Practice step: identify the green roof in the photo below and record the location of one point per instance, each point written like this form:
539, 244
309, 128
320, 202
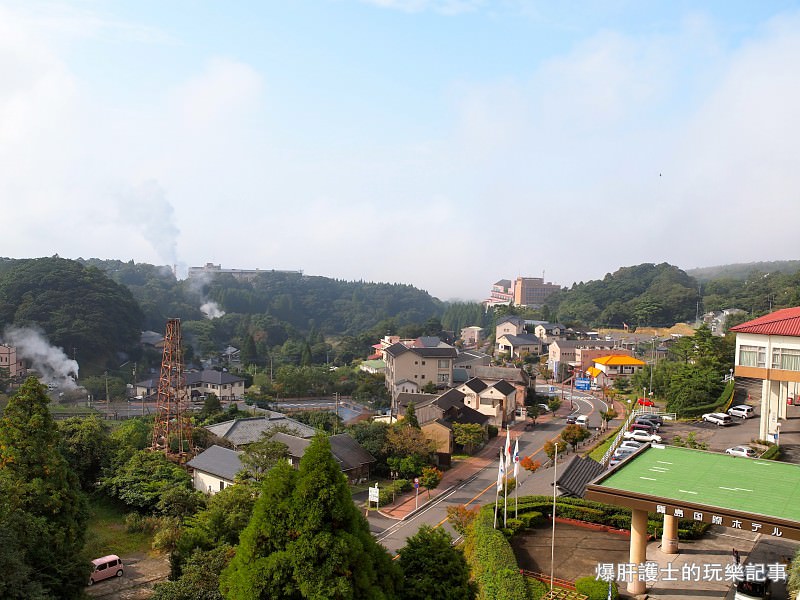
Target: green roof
679, 475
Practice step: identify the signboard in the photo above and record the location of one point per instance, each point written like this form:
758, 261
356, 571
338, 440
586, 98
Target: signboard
374, 493
583, 383
552, 390
416, 482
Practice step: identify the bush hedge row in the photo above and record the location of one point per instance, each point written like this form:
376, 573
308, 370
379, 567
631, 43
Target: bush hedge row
716, 406
493, 564
595, 589
397, 487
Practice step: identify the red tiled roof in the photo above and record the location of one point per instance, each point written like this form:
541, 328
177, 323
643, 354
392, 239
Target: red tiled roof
781, 322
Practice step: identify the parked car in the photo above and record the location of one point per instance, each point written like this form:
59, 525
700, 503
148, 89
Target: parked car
718, 418
742, 410
742, 451
642, 436
642, 427
582, 420
646, 402
753, 590
633, 444
624, 451
105, 567
651, 417
642, 421
543, 408
571, 419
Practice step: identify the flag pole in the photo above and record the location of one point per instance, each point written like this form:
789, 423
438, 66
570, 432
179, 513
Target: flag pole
516, 477
553, 537
497, 487
505, 489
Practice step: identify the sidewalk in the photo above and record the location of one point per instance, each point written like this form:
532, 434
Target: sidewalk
405, 505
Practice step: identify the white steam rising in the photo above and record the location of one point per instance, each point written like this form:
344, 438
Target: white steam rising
212, 310
49, 361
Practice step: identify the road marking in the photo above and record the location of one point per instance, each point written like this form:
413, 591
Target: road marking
648, 478
664, 462
687, 492
736, 489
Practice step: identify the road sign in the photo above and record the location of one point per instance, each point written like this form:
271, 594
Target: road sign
374, 493
416, 482
583, 383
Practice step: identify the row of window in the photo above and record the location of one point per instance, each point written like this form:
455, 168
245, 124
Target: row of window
442, 377
442, 364
786, 359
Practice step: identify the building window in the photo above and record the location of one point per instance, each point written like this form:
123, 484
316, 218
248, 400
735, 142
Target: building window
753, 356
423, 362
444, 378
786, 359
443, 364
221, 485
487, 402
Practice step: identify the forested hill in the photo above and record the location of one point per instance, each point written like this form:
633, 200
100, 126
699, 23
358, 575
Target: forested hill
645, 294
304, 303
741, 271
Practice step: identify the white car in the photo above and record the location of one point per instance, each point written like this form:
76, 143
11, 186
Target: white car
632, 444
743, 410
718, 418
642, 436
623, 452
746, 451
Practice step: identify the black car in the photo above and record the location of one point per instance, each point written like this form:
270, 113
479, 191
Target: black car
642, 421
571, 419
655, 418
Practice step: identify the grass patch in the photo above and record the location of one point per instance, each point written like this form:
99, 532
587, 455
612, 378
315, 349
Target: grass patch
599, 451
106, 532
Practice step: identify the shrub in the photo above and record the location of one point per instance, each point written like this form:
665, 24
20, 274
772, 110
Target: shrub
532, 519
595, 589
773, 453
136, 523
492, 561
492, 430
392, 490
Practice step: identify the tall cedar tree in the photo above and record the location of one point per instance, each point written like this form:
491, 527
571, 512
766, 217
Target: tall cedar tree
433, 568
306, 539
43, 513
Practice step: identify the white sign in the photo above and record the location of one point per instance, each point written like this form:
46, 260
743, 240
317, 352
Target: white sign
374, 493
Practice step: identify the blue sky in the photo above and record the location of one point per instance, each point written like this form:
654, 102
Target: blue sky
441, 143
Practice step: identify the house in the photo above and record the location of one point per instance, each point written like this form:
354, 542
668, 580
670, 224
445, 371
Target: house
518, 346
231, 355
221, 383
615, 366
410, 366
564, 355
153, 339
374, 366
468, 359
214, 469
436, 415
497, 400
768, 349
354, 461
472, 336
10, 361
241, 432
548, 332
510, 325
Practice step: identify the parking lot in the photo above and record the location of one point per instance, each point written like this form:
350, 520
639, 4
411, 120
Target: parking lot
718, 438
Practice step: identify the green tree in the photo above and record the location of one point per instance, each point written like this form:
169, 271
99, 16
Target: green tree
5, 379
468, 435
307, 539
259, 457
433, 568
142, 480
550, 448
430, 478
200, 577
87, 446
574, 435
554, 404
410, 418
211, 406
42, 509
429, 388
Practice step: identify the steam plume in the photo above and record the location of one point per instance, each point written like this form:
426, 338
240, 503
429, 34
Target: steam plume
49, 361
212, 310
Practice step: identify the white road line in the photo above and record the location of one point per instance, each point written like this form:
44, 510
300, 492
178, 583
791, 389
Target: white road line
664, 462
687, 492
648, 478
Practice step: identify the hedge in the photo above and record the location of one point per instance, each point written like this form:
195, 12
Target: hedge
716, 406
772, 453
492, 561
595, 589
395, 488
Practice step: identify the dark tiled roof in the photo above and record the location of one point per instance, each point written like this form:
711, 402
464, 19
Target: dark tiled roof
349, 452
512, 319
576, 475
444, 352
211, 376
451, 397
504, 387
476, 385
497, 373
296, 445
396, 349
218, 461
406, 398
470, 415
525, 339
427, 342
470, 355
246, 431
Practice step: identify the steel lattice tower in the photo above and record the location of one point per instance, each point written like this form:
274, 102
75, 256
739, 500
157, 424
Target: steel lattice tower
172, 420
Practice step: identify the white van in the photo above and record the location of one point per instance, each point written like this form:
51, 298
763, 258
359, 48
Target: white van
718, 418
742, 411
582, 420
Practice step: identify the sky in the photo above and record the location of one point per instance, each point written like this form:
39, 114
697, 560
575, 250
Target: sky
445, 144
